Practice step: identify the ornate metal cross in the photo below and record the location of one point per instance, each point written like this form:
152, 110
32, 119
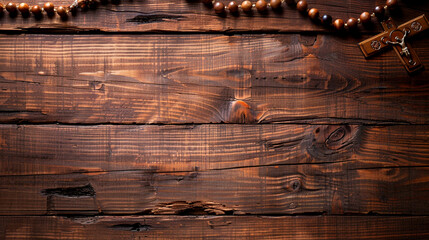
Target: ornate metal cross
397, 37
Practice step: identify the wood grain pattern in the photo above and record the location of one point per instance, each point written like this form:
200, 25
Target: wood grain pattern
214, 227
205, 79
57, 149
118, 124
193, 16
332, 188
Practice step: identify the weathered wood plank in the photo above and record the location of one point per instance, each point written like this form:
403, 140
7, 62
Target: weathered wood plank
205, 79
193, 16
57, 149
215, 227
332, 188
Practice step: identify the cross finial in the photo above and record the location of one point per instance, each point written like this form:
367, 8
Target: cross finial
397, 38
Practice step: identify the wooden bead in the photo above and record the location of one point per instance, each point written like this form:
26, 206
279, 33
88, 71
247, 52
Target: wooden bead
1, 8
275, 4
219, 7
233, 7
326, 20
24, 8
392, 3
352, 23
261, 5
49, 8
246, 6
339, 24
379, 12
313, 14
36, 10
365, 18
302, 6
62, 11
11, 8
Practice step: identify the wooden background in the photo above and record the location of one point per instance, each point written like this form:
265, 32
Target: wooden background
159, 119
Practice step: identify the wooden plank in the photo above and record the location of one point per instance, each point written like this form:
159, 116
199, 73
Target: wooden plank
215, 227
332, 188
205, 79
58, 149
193, 16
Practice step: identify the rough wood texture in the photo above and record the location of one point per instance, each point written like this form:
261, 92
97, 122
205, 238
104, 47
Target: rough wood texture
193, 16
213, 227
205, 78
266, 169
56, 149
352, 143
333, 188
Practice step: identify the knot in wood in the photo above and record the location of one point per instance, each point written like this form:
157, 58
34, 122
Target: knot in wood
240, 112
334, 141
334, 137
293, 185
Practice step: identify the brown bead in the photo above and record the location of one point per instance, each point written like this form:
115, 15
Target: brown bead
24, 8
11, 8
36, 10
302, 6
275, 4
49, 8
339, 24
379, 12
365, 18
326, 20
233, 7
313, 14
62, 11
261, 5
1, 8
352, 23
246, 6
392, 3
219, 7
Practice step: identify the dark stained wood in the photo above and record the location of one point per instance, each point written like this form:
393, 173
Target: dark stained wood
82, 156
215, 227
58, 149
205, 79
332, 188
193, 16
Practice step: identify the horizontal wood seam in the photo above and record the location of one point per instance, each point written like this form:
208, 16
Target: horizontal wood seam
342, 122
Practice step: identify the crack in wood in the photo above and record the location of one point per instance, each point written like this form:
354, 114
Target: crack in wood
151, 18
72, 192
192, 208
136, 227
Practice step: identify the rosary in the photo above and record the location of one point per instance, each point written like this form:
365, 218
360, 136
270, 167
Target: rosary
393, 36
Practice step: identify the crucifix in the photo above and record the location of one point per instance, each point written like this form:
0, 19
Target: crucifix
397, 37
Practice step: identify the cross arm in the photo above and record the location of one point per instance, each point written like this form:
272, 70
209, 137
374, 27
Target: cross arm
373, 45
416, 25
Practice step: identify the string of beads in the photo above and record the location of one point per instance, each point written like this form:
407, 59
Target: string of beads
262, 6
37, 11
232, 7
